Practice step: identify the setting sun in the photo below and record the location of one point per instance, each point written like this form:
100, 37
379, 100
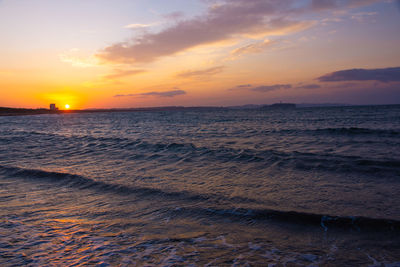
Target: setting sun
67, 106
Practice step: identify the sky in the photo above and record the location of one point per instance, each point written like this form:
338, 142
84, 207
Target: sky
146, 53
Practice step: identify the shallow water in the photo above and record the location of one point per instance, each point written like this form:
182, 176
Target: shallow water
315, 186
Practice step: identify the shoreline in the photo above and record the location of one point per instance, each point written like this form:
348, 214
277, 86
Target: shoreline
27, 112
4, 111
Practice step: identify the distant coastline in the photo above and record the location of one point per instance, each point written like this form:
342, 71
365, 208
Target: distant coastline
6, 111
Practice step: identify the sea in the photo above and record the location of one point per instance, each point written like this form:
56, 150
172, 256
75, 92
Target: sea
209, 187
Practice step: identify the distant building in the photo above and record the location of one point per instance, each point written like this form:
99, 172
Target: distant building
53, 107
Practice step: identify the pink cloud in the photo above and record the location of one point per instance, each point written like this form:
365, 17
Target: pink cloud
223, 20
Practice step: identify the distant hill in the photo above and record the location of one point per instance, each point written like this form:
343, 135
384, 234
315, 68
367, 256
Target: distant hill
4, 111
288, 105
280, 106
248, 106
311, 105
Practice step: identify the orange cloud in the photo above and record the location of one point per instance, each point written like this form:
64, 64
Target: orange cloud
171, 93
201, 73
120, 73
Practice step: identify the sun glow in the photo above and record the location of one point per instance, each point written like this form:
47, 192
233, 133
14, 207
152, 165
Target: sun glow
67, 106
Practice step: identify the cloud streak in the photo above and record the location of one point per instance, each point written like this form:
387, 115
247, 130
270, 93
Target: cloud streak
261, 88
244, 86
120, 73
269, 88
171, 93
381, 75
308, 86
333, 4
252, 48
135, 26
77, 59
201, 73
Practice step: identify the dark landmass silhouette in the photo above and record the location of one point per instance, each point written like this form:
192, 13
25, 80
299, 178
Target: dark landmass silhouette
280, 106
4, 111
7, 111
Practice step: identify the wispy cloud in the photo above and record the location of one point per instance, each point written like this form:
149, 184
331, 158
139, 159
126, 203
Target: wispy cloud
75, 58
308, 86
121, 73
253, 48
333, 4
135, 26
171, 93
244, 86
201, 73
261, 88
269, 88
174, 16
362, 16
381, 75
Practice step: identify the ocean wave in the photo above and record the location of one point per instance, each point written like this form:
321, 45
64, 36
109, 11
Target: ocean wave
340, 131
172, 152
323, 220
82, 182
358, 131
207, 202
